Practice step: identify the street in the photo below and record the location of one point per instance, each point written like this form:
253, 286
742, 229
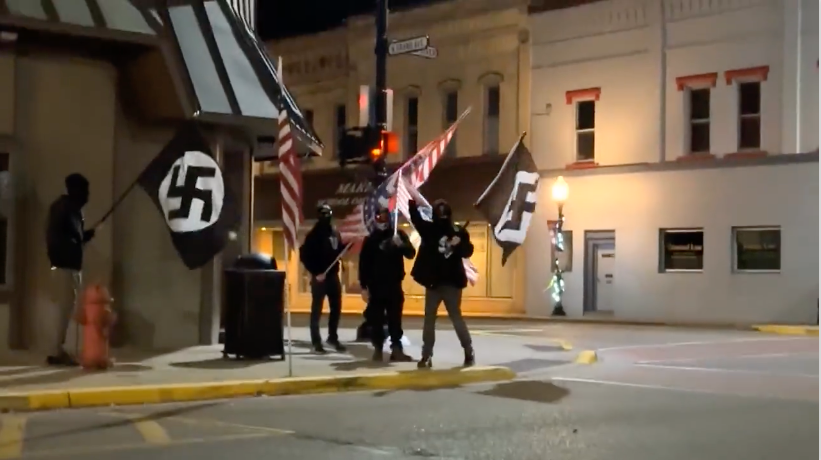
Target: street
656, 393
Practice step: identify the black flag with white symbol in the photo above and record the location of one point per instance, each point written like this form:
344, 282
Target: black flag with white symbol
188, 188
509, 201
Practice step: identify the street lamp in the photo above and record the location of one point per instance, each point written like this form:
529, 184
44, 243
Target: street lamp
559, 192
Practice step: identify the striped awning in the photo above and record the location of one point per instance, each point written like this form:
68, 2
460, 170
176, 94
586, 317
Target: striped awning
226, 73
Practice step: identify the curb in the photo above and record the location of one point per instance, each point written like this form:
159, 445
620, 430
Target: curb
787, 330
155, 394
587, 357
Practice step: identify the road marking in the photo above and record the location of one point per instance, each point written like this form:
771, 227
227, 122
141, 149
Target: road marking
65, 452
753, 356
197, 421
730, 371
12, 432
151, 431
704, 342
505, 331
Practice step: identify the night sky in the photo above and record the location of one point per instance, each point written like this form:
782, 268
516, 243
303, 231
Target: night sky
286, 18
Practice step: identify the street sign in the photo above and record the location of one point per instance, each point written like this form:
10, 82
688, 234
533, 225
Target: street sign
409, 45
429, 53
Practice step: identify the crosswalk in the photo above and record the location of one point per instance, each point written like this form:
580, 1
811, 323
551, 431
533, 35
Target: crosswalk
70, 434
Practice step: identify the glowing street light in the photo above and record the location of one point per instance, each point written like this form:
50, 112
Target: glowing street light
559, 192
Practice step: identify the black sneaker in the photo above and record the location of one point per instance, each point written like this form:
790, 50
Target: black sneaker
470, 358
337, 345
63, 359
398, 356
425, 363
318, 349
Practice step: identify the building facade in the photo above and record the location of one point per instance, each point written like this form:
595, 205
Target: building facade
482, 63
99, 88
688, 134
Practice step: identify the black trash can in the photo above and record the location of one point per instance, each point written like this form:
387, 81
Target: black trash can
254, 305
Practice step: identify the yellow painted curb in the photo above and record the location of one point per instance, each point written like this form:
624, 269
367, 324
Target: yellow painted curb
587, 357
153, 394
786, 329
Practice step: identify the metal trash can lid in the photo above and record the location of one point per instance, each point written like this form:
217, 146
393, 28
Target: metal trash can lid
255, 261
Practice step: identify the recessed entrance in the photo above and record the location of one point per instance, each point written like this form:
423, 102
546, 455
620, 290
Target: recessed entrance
599, 272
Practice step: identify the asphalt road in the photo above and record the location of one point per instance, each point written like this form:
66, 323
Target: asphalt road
678, 396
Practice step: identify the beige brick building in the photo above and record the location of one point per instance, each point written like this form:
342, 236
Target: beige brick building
483, 62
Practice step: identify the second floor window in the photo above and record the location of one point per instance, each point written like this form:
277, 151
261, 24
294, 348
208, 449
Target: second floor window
492, 108
700, 120
585, 130
451, 113
411, 126
749, 114
340, 122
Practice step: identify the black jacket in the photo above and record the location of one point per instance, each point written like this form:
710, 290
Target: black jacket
65, 234
321, 246
380, 261
438, 263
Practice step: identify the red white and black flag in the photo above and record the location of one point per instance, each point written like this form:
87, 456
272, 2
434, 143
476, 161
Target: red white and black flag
186, 184
509, 201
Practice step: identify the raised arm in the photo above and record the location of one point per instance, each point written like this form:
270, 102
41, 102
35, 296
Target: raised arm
419, 223
408, 251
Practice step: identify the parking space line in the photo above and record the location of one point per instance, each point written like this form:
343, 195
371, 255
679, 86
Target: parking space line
751, 356
704, 342
12, 432
211, 422
730, 371
151, 431
633, 385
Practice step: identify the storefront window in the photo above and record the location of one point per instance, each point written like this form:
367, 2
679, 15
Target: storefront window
494, 280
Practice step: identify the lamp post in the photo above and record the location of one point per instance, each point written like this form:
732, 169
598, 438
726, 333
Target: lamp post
559, 192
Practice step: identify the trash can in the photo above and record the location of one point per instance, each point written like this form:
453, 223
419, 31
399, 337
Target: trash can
254, 303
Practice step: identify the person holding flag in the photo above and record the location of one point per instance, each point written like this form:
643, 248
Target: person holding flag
381, 271
439, 268
320, 254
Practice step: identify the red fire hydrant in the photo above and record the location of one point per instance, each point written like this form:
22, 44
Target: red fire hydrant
97, 319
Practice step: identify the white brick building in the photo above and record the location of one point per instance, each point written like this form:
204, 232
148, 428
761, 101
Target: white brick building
677, 124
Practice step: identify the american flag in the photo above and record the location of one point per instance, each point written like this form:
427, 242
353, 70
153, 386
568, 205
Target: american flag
290, 181
356, 225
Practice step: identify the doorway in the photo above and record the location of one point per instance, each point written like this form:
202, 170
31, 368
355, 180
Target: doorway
599, 272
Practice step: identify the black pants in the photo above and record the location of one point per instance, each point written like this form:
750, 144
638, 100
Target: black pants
332, 289
386, 304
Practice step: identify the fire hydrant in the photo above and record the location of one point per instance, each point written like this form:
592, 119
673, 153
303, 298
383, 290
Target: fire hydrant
97, 319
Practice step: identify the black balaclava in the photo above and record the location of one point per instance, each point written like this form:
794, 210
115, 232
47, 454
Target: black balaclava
382, 220
324, 214
77, 188
442, 215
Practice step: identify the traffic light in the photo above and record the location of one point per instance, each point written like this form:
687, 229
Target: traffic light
367, 144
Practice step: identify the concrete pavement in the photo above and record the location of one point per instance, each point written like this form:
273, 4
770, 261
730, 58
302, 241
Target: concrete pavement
655, 393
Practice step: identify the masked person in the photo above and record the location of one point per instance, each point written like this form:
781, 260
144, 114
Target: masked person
439, 269
322, 246
381, 271
65, 237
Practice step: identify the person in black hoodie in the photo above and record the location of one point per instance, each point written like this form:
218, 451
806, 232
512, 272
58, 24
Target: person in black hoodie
65, 237
440, 270
381, 271
322, 246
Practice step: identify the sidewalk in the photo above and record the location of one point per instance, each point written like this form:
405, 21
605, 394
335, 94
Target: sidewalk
199, 373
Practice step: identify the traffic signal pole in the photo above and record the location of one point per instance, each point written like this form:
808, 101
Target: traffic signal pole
381, 51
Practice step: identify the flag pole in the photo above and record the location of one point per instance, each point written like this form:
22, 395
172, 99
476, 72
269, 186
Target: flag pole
288, 270
288, 308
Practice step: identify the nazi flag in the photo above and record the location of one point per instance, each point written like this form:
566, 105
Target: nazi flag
509, 202
186, 184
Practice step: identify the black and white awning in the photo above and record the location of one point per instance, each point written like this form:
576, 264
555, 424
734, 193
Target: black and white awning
226, 73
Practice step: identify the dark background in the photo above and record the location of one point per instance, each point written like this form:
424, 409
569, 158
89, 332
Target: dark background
287, 18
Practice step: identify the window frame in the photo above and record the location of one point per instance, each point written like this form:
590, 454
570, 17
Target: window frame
411, 128
698, 121
578, 131
486, 118
753, 116
662, 250
734, 234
